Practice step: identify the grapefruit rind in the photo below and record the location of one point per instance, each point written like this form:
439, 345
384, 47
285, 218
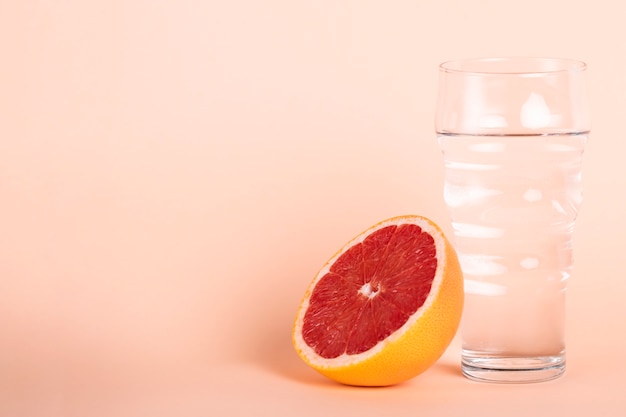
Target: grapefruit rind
418, 343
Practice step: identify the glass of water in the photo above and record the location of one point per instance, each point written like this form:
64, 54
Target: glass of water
512, 133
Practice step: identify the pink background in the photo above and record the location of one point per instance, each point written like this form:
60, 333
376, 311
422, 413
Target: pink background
174, 173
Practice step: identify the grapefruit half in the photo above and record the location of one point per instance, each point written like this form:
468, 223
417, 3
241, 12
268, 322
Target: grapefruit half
385, 307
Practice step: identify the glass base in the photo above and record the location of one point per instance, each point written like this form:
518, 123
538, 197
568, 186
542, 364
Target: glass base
482, 367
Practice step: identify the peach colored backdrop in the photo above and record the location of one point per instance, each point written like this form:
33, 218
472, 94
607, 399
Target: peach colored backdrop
173, 174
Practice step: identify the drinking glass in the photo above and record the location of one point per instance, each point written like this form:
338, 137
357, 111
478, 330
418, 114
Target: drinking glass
512, 133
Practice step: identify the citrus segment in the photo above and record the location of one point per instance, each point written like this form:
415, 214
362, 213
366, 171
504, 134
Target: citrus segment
385, 307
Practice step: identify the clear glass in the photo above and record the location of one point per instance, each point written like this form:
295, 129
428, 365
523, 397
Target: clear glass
512, 132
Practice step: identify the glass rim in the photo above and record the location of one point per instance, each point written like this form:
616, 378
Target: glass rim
516, 66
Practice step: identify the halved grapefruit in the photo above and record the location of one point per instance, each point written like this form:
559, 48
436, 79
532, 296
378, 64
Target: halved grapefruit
385, 307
